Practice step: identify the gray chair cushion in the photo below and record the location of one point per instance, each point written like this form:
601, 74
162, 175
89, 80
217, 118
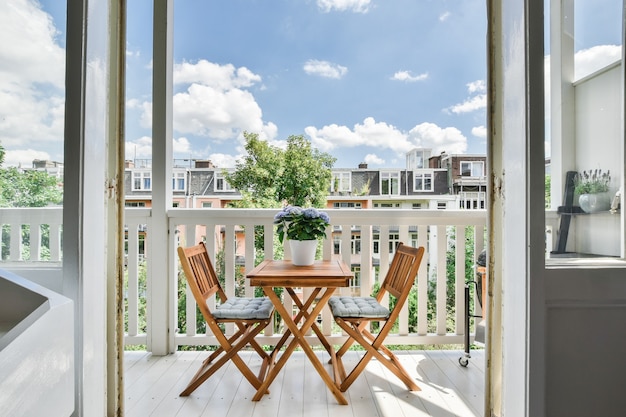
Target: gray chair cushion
244, 308
357, 307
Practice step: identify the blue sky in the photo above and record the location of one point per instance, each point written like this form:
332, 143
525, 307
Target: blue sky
364, 80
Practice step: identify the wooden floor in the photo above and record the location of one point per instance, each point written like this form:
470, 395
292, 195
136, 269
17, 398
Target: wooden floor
152, 385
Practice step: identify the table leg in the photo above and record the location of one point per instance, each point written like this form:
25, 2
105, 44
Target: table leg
299, 339
310, 322
304, 312
277, 366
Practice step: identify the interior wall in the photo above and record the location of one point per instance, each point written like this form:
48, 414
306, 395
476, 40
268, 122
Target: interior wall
598, 135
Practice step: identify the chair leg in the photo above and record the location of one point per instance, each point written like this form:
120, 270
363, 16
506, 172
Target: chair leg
217, 352
372, 350
230, 353
350, 341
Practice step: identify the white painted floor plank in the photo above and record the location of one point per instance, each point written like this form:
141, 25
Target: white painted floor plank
445, 387
152, 385
164, 389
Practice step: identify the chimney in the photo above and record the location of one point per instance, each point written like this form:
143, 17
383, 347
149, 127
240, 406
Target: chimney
362, 165
204, 163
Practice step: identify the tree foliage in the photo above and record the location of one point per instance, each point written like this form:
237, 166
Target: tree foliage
270, 177
28, 188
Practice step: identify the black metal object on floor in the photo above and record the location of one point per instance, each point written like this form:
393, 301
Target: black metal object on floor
469, 315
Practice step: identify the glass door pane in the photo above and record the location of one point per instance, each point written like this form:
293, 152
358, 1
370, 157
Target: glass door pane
32, 101
584, 128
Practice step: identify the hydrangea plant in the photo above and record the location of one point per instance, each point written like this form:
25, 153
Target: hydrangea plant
301, 223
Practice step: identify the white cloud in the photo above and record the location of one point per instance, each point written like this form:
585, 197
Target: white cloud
357, 6
222, 160
370, 133
408, 77
479, 131
32, 77
372, 159
476, 102
478, 86
471, 104
181, 146
381, 135
23, 157
215, 103
587, 61
30, 52
444, 16
138, 149
221, 77
142, 148
429, 135
324, 69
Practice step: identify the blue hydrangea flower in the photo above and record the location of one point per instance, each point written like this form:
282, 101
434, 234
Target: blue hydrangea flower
297, 223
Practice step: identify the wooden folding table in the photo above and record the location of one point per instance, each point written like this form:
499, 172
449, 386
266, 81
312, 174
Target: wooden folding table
324, 277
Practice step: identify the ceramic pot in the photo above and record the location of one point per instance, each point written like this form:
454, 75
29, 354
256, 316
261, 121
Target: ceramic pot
303, 252
593, 203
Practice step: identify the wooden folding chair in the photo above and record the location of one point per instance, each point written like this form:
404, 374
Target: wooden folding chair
353, 314
250, 315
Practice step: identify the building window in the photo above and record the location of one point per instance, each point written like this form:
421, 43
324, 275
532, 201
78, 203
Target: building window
418, 158
347, 205
221, 184
472, 169
416, 206
342, 182
376, 243
175, 204
386, 205
337, 245
389, 183
355, 282
178, 181
355, 244
134, 204
207, 204
442, 205
142, 180
394, 241
413, 240
423, 181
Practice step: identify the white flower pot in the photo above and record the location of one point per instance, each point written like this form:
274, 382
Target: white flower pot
303, 252
593, 203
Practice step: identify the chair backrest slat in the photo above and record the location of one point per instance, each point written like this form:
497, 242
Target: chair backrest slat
200, 274
402, 272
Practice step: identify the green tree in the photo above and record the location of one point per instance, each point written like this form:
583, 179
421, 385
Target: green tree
28, 188
269, 177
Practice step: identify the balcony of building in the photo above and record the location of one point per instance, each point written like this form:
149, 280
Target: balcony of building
160, 354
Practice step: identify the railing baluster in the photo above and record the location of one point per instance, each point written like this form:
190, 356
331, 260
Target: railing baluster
459, 282
422, 283
442, 291
132, 262
15, 250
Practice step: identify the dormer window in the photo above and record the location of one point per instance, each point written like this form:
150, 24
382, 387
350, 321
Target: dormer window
472, 169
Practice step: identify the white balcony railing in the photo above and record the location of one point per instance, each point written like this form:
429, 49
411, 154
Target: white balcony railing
435, 314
